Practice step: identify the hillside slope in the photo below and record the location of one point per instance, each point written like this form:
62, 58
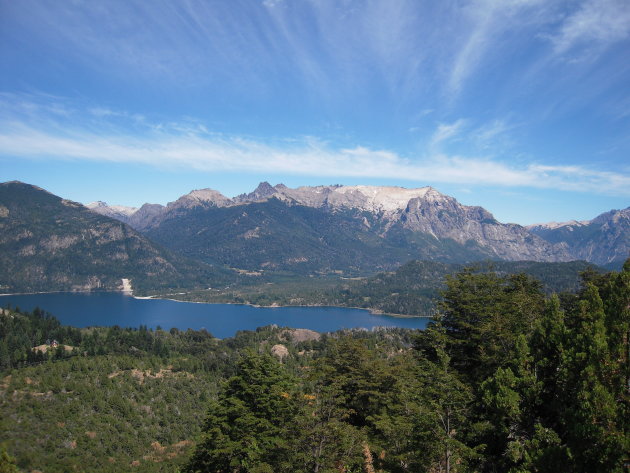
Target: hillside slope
48, 243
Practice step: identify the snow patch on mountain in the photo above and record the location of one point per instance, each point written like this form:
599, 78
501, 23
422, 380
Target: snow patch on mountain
555, 225
128, 211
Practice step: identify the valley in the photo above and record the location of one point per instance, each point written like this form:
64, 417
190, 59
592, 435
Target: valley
314, 236
481, 307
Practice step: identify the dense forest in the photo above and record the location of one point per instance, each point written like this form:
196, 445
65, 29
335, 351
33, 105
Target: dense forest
506, 379
413, 289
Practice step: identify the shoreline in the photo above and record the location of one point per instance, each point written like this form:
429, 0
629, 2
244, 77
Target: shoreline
157, 297
277, 306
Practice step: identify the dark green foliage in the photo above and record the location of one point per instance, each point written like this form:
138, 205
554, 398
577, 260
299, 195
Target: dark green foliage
7, 463
555, 400
484, 315
248, 426
412, 289
20, 332
505, 380
359, 375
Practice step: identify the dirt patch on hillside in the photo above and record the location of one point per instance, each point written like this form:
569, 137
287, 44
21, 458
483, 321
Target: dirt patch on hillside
300, 335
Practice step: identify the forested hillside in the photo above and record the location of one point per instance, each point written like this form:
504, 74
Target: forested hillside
413, 289
51, 244
508, 379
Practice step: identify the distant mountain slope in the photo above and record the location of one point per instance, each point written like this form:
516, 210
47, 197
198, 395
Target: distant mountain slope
49, 243
414, 288
119, 212
329, 228
272, 235
605, 240
364, 228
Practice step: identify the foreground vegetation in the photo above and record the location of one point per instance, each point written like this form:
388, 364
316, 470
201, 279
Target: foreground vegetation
508, 379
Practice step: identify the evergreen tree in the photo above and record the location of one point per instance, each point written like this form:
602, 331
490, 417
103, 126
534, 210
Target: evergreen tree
483, 315
549, 344
247, 428
324, 441
596, 431
7, 463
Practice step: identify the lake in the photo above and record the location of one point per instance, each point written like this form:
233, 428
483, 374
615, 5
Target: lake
222, 320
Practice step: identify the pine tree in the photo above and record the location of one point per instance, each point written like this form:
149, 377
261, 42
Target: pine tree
594, 431
246, 430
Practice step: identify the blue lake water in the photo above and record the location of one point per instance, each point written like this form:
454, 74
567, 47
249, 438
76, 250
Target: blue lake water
222, 320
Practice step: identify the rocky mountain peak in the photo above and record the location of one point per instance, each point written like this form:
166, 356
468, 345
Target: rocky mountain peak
104, 208
262, 192
556, 225
603, 240
264, 188
613, 216
200, 197
376, 199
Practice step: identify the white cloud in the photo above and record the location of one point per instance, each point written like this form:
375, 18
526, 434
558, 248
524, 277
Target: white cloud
190, 146
272, 3
493, 135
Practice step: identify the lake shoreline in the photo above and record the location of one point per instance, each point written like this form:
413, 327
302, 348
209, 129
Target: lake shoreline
108, 309
272, 306
278, 306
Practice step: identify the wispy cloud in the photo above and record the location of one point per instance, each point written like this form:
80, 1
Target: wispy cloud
594, 26
485, 22
328, 49
190, 145
447, 131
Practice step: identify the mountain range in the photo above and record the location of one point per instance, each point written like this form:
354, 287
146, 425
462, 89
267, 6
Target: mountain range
605, 240
360, 228
206, 239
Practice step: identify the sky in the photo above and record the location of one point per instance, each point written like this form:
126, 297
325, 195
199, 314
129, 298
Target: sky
520, 106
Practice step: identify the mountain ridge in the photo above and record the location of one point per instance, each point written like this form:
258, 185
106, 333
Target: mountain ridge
397, 213
336, 230
604, 240
353, 227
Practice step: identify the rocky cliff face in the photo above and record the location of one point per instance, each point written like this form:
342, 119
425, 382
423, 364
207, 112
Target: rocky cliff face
443, 217
605, 240
145, 216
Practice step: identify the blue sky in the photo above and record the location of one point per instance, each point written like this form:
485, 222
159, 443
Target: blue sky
520, 106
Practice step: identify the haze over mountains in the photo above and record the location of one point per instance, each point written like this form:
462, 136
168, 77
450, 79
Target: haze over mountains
360, 228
